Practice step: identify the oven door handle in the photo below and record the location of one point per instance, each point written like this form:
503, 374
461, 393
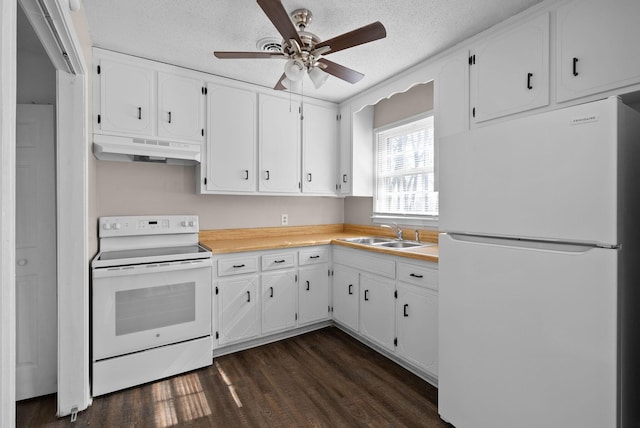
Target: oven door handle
151, 268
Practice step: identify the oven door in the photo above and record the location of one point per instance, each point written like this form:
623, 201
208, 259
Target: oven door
145, 306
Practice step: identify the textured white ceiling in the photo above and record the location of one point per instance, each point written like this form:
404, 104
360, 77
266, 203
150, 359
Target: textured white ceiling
186, 32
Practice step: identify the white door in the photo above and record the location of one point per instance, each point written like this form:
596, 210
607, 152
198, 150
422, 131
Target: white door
345, 296
278, 301
238, 309
313, 294
528, 336
279, 142
36, 303
377, 309
534, 177
180, 107
591, 61
319, 149
231, 142
127, 98
510, 72
417, 326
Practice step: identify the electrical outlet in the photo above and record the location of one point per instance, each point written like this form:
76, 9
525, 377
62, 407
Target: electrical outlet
285, 219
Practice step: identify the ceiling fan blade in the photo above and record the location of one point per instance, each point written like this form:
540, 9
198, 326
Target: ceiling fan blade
236, 55
279, 86
359, 36
340, 71
280, 19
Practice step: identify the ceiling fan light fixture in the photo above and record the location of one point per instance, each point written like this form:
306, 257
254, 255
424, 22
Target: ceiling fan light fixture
294, 69
318, 77
292, 85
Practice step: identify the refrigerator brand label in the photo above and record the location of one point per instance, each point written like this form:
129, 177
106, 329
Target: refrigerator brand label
584, 119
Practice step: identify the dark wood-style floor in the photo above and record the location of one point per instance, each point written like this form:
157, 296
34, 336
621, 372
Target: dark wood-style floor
321, 379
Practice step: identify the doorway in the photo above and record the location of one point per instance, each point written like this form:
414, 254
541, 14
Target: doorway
36, 289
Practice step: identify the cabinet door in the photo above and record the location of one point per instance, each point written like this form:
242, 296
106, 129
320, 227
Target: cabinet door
596, 48
238, 309
417, 326
127, 98
510, 72
345, 296
319, 149
278, 301
451, 89
313, 294
344, 140
231, 141
377, 309
180, 107
279, 142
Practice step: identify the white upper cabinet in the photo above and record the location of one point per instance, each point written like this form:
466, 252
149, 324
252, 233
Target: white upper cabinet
344, 141
231, 141
279, 145
451, 95
319, 149
127, 98
135, 99
596, 49
510, 71
180, 107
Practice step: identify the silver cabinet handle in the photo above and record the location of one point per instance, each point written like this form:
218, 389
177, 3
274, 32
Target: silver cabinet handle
309, 177
22, 262
139, 113
246, 174
266, 175
344, 178
169, 117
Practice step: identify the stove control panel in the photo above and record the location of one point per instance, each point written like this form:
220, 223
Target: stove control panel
147, 225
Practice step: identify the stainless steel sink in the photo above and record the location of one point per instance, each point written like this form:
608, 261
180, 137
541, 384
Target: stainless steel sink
368, 240
378, 241
401, 244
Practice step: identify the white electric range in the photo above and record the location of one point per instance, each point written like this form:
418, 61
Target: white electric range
151, 301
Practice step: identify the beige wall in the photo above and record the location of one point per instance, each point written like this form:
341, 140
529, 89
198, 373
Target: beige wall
141, 188
416, 100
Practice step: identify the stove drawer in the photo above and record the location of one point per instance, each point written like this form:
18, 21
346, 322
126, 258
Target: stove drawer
237, 265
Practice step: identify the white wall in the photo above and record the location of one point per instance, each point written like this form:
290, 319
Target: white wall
141, 188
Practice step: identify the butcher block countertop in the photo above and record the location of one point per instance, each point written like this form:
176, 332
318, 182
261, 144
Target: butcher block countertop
224, 241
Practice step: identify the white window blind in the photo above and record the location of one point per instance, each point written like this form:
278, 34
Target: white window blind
405, 170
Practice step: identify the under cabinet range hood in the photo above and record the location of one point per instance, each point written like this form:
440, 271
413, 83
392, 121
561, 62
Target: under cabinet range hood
128, 149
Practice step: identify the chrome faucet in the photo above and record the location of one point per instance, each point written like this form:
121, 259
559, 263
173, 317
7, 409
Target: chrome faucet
395, 228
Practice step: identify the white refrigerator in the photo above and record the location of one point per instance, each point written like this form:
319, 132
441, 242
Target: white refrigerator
540, 271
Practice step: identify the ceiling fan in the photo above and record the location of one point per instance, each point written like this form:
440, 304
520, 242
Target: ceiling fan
304, 51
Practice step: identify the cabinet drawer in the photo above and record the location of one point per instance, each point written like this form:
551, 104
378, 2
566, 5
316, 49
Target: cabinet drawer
366, 261
418, 275
237, 265
314, 255
278, 261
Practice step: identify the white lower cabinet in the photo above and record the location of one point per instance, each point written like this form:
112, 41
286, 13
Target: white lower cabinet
268, 293
377, 309
237, 309
346, 291
313, 294
395, 304
278, 301
417, 326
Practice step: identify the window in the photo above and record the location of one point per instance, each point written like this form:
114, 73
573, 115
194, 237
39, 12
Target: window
405, 171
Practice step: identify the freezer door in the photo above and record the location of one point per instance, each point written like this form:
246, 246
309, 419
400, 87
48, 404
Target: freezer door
547, 176
527, 335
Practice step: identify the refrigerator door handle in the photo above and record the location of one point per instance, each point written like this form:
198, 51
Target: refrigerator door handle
559, 247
